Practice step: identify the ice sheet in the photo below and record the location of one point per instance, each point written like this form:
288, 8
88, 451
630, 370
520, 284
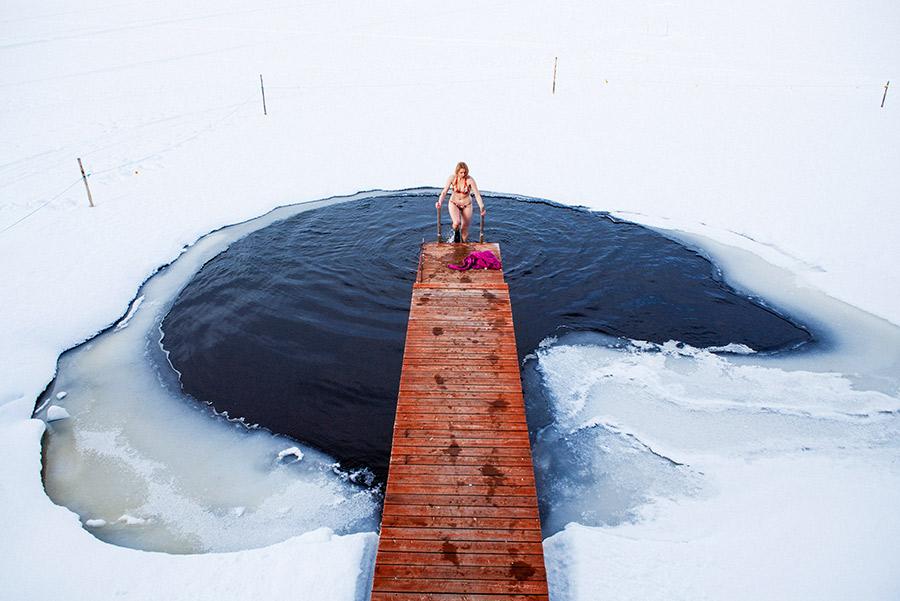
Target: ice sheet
666, 471
166, 473
751, 121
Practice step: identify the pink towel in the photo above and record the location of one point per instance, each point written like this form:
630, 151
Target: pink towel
480, 259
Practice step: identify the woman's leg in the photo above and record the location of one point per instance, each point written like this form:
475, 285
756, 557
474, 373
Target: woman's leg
454, 214
466, 220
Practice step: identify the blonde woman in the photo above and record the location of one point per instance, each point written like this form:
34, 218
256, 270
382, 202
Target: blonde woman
462, 186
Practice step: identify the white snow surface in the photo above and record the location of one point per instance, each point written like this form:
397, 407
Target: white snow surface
756, 124
56, 413
294, 452
767, 500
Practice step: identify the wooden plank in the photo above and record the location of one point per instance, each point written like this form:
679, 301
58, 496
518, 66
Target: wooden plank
502, 402
442, 410
436, 380
436, 434
453, 572
462, 522
444, 459
461, 490
453, 453
479, 414
394, 596
460, 517
417, 533
489, 547
459, 558
442, 417
524, 479
460, 373
481, 442
462, 586
482, 419
508, 397
496, 405
512, 386
459, 512
426, 357
474, 470
488, 359
439, 500
412, 427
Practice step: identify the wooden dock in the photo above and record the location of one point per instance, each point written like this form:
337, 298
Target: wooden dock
460, 511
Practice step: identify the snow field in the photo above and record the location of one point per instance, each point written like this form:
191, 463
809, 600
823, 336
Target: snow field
757, 122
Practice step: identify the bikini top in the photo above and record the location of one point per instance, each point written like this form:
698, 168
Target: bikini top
459, 190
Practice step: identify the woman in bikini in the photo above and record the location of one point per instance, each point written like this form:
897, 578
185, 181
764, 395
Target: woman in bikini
460, 203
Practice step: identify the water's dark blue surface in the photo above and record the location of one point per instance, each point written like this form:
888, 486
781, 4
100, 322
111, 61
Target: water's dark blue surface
300, 326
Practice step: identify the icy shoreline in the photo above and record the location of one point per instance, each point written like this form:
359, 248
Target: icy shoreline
122, 453
785, 465
567, 550
758, 120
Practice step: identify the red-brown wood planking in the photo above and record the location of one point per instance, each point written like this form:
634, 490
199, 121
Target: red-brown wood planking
460, 510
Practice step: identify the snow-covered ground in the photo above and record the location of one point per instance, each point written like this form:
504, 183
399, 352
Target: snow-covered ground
757, 125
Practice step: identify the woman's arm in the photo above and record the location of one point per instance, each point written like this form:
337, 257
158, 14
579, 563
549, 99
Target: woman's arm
444, 192
478, 196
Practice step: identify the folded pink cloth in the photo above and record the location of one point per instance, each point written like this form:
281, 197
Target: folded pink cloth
480, 259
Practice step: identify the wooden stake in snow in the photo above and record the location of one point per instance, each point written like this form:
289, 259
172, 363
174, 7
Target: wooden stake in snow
86, 187
263, 90
885, 93
555, 61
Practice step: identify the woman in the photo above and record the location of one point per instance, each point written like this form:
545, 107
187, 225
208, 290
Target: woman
460, 203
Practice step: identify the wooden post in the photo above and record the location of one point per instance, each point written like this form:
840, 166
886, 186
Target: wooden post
263, 89
84, 177
439, 224
555, 61
885, 93
481, 233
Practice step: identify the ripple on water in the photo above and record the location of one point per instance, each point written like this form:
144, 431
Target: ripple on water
300, 325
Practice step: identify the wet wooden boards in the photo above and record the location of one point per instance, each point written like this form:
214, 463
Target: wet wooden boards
460, 511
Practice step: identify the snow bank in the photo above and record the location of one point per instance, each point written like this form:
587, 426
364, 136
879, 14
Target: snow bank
701, 479
679, 473
772, 535
38, 533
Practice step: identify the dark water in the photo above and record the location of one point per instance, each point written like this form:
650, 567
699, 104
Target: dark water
300, 326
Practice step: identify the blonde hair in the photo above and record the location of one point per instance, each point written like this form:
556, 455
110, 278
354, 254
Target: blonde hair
461, 165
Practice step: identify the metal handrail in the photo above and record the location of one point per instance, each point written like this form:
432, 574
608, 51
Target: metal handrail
419, 273
439, 225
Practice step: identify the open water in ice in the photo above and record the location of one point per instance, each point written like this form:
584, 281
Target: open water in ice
300, 326
295, 321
